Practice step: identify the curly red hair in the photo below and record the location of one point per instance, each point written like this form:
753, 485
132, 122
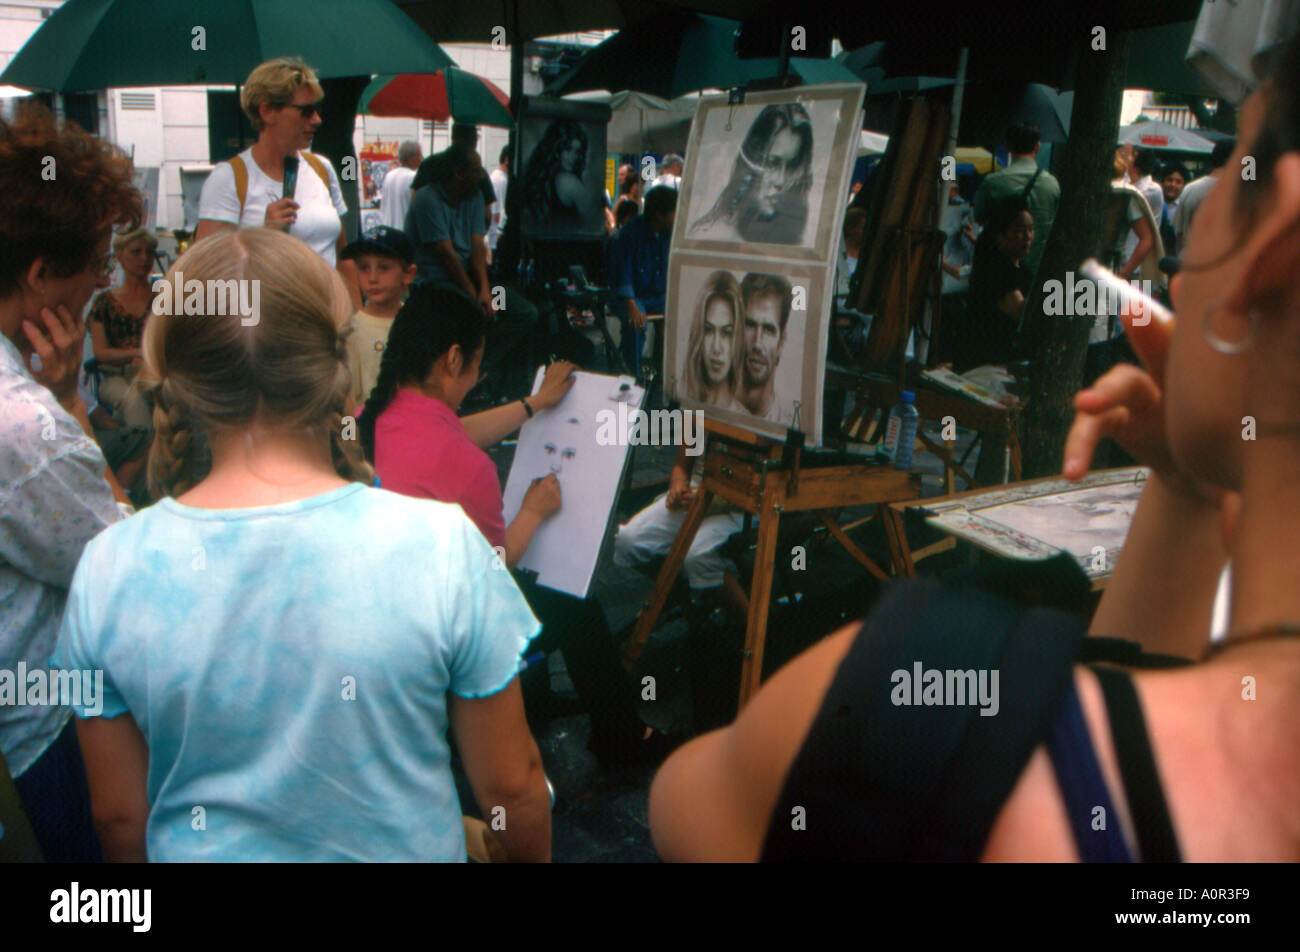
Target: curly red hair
63, 188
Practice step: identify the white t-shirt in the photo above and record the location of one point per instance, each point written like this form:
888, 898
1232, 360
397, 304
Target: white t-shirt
500, 182
319, 215
395, 198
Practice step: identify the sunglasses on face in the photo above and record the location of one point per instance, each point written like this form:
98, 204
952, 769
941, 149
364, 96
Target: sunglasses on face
308, 110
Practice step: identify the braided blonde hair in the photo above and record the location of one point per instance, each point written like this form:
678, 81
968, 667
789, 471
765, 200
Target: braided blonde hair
211, 372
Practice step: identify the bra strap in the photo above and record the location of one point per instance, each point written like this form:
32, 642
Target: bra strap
1157, 841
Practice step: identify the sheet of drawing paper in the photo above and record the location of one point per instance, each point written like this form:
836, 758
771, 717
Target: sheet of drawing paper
566, 548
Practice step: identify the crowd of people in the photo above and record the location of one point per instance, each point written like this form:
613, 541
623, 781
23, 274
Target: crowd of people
312, 470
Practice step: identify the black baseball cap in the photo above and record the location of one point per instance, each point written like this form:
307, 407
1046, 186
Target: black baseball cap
382, 240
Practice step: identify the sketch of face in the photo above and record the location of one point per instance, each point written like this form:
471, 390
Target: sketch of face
571, 156
719, 337
562, 451
763, 338
780, 168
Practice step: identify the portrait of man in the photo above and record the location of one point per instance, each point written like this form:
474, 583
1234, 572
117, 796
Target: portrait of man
766, 299
766, 197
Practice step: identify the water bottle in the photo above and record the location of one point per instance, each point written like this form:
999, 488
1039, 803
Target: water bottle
900, 432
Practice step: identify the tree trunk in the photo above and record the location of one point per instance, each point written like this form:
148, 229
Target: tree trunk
1060, 343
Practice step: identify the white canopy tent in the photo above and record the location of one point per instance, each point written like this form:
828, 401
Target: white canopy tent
1163, 135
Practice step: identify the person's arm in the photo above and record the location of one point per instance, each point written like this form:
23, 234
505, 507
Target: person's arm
77, 410
1162, 589
110, 355
117, 769
451, 264
348, 270
1146, 241
679, 481
712, 800
504, 769
478, 273
624, 276
485, 429
540, 502
1012, 303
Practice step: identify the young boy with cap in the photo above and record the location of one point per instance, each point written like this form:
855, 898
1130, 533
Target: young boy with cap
385, 268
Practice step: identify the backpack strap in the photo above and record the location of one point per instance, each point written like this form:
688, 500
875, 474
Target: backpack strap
241, 181
241, 175
1032, 179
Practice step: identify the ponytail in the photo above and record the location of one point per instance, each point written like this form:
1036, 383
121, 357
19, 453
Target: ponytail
434, 317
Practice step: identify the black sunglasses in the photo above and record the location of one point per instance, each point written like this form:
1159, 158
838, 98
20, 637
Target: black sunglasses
309, 110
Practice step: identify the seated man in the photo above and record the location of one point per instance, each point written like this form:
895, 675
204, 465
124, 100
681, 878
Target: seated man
446, 224
650, 534
640, 275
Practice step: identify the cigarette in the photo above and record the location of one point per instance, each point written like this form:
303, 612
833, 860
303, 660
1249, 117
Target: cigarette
1133, 302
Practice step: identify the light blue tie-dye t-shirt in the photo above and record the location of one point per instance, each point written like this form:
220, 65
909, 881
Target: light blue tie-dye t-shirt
289, 667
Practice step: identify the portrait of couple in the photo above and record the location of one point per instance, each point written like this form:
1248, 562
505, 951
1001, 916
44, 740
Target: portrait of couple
736, 332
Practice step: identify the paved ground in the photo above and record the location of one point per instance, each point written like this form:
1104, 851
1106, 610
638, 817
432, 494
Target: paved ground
601, 817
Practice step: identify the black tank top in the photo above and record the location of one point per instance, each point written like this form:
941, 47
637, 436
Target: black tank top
889, 773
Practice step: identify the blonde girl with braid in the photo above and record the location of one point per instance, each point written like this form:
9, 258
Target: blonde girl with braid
282, 643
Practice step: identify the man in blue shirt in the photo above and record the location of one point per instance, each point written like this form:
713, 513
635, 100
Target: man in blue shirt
640, 273
447, 225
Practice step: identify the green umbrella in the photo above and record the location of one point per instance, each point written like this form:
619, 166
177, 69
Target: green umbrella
95, 44
677, 53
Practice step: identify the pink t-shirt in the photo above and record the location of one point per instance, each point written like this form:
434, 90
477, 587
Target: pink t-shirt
422, 449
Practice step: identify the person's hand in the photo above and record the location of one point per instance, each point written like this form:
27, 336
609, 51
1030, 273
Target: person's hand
543, 496
680, 495
636, 316
555, 384
484, 299
59, 346
281, 214
1127, 404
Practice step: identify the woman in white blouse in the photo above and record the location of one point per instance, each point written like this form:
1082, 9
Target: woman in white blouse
282, 98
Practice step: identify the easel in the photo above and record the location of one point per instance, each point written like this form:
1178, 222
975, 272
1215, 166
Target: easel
899, 271
764, 477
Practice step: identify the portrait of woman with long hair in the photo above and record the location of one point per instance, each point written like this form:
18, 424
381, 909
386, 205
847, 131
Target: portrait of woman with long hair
712, 365
554, 190
766, 198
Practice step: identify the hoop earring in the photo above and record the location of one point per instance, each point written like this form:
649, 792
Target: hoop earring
1228, 348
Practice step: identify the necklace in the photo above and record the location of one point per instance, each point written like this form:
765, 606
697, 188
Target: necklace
1277, 629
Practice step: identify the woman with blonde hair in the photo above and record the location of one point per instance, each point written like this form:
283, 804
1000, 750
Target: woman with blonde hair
713, 360
116, 322
282, 99
283, 645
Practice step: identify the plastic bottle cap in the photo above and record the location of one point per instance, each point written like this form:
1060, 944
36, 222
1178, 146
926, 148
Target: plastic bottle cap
908, 396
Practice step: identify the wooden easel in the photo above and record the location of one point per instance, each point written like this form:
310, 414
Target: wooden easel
764, 477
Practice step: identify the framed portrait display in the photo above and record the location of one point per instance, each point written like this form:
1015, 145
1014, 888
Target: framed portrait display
770, 176
562, 161
745, 341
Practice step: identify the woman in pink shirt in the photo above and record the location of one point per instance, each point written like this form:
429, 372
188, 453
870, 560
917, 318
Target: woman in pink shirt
420, 447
